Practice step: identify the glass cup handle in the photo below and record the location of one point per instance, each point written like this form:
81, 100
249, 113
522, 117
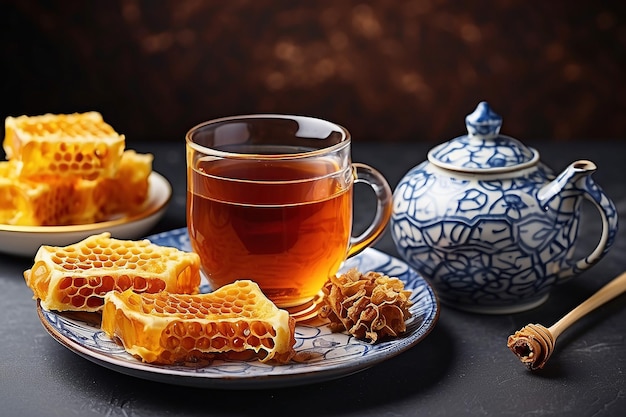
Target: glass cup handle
373, 178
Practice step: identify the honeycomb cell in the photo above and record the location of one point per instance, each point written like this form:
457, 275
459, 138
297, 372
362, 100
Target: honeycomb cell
75, 277
171, 328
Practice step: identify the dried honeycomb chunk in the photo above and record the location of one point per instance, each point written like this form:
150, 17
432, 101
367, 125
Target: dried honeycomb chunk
78, 144
369, 306
169, 328
78, 276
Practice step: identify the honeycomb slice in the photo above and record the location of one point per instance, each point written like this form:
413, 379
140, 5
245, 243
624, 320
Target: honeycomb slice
175, 328
79, 144
59, 201
77, 277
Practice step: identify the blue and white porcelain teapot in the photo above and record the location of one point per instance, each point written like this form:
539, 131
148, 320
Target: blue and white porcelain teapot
489, 225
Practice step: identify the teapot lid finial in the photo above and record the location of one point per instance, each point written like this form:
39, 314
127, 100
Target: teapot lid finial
483, 121
483, 149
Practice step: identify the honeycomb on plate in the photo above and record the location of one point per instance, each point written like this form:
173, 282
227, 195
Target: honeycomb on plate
77, 277
167, 328
68, 201
69, 169
78, 144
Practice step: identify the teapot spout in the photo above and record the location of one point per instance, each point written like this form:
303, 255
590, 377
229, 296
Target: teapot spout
573, 180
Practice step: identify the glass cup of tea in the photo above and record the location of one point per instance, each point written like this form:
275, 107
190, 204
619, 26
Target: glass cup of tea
270, 199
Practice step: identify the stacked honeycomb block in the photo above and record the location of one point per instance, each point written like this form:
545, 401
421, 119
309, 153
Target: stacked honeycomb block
68, 169
79, 144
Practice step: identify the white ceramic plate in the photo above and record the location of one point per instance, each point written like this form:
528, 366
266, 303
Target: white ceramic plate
323, 355
26, 240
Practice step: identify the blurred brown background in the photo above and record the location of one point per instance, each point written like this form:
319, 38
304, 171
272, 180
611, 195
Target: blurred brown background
387, 70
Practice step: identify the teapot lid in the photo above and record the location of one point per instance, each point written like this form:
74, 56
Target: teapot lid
483, 149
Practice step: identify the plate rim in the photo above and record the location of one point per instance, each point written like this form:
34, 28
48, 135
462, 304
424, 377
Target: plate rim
293, 376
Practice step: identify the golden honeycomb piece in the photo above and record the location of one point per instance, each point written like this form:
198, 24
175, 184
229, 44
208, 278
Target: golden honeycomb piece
60, 201
167, 328
78, 276
39, 203
16, 197
78, 144
128, 190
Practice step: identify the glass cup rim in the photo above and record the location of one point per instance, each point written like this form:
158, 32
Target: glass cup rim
344, 142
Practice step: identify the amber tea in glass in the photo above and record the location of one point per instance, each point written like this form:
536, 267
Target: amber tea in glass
270, 197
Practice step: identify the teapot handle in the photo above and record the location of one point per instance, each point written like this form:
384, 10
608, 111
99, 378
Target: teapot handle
608, 214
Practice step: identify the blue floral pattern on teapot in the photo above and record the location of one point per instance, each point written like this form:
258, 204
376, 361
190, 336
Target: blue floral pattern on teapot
489, 225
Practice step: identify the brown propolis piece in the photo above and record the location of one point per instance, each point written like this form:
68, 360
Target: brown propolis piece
369, 306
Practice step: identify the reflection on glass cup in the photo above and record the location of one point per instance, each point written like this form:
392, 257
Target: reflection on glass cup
269, 198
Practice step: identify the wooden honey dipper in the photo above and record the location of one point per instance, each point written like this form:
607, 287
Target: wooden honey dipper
534, 343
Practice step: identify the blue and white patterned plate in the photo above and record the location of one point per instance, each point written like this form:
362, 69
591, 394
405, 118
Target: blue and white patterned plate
321, 354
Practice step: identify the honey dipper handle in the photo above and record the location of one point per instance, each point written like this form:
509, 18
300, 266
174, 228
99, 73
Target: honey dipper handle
604, 294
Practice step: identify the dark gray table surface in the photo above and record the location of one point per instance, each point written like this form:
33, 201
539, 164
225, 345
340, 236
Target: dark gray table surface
462, 368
